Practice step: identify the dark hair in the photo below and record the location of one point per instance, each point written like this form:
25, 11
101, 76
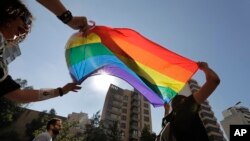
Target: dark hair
52, 122
177, 100
13, 9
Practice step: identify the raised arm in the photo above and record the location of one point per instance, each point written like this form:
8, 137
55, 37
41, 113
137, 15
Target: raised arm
25, 96
212, 81
56, 7
167, 109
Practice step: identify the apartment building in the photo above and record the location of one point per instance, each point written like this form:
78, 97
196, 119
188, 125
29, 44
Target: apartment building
130, 109
235, 115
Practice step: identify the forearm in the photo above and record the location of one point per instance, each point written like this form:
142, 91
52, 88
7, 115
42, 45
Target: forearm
55, 6
211, 76
212, 81
167, 109
26, 96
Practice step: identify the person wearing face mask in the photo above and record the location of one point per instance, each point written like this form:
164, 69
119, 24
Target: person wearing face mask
15, 24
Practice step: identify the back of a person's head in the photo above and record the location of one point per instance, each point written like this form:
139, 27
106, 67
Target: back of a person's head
177, 100
52, 121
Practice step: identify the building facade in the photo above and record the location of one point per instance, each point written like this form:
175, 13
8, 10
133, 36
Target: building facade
235, 115
19, 126
81, 119
130, 109
206, 114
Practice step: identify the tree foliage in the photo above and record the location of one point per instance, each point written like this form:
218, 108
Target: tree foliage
65, 134
10, 136
39, 124
94, 131
11, 110
146, 135
113, 132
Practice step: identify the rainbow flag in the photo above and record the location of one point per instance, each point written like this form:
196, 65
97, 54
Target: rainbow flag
154, 71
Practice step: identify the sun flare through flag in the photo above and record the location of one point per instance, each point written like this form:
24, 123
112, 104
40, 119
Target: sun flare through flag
156, 72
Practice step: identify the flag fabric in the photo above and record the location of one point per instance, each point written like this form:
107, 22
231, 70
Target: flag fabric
156, 72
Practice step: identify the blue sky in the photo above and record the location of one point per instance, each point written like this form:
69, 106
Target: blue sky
215, 31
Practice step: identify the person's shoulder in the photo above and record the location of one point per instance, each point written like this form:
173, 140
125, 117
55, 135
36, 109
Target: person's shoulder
7, 84
2, 42
190, 99
1, 35
43, 137
2, 39
45, 134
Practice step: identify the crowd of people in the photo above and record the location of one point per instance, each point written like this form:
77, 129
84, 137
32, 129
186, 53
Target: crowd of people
15, 25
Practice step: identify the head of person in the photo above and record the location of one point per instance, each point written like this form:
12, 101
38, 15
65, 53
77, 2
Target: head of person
54, 125
15, 20
177, 100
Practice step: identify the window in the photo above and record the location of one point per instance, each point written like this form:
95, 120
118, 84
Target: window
125, 104
145, 105
124, 117
146, 118
125, 97
113, 116
108, 114
123, 125
134, 123
135, 132
147, 125
124, 110
115, 109
146, 111
122, 133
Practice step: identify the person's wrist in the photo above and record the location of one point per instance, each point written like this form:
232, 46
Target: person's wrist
60, 91
65, 17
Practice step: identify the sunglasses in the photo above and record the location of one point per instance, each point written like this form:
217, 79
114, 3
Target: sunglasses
24, 15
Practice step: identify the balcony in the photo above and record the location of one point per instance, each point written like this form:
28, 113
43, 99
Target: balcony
117, 98
133, 127
134, 137
134, 118
115, 112
135, 111
135, 97
135, 104
116, 104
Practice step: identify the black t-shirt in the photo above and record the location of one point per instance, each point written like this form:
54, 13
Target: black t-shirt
8, 85
186, 124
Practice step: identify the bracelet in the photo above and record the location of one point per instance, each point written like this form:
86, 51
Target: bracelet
65, 17
60, 90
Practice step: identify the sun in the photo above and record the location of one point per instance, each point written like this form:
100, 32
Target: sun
103, 81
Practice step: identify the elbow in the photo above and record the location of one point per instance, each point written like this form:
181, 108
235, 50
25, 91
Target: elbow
216, 81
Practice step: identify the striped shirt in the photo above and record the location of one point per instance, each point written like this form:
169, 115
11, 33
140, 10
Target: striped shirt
7, 84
